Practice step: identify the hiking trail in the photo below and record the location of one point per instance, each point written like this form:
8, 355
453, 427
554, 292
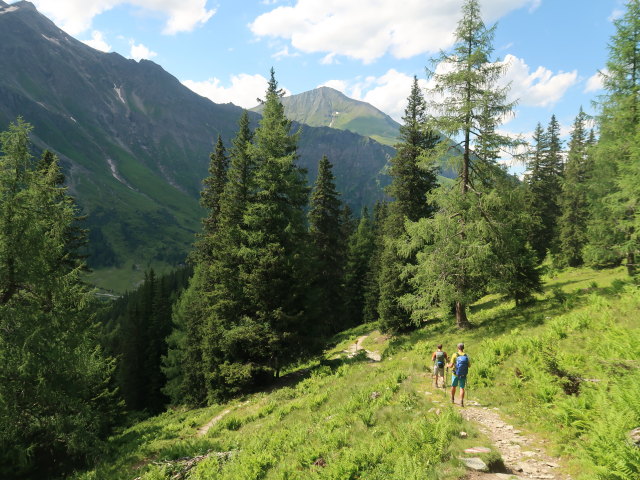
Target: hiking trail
522, 455
354, 348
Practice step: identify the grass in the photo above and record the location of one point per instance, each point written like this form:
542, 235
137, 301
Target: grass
566, 369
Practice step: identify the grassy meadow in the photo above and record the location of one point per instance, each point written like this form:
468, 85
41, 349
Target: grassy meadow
565, 370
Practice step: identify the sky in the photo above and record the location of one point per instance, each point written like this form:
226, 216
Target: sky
368, 49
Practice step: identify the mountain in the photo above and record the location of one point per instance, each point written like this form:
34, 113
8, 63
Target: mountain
327, 107
134, 142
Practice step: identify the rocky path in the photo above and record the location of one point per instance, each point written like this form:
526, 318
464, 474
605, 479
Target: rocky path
354, 348
522, 457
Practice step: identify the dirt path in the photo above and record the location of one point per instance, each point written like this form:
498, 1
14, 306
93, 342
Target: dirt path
354, 348
521, 456
202, 431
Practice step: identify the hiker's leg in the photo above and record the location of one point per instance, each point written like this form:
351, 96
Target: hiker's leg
462, 396
453, 394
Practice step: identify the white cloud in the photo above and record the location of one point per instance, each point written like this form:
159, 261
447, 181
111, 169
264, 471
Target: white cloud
616, 14
367, 30
139, 51
98, 41
284, 53
595, 82
389, 92
75, 16
540, 88
243, 91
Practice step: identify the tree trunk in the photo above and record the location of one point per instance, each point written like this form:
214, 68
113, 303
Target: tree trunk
461, 315
631, 264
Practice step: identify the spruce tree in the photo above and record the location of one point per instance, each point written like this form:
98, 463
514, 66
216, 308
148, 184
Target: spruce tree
372, 279
327, 253
572, 224
545, 185
56, 406
242, 350
454, 252
361, 248
410, 184
615, 221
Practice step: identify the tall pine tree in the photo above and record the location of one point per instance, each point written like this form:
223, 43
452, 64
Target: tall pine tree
327, 252
410, 184
572, 224
615, 221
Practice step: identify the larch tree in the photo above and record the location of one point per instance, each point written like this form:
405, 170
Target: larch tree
456, 249
56, 405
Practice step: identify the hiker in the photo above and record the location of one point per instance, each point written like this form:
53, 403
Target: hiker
439, 359
460, 364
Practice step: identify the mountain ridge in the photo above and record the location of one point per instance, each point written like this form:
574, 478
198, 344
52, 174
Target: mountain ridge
134, 142
328, 107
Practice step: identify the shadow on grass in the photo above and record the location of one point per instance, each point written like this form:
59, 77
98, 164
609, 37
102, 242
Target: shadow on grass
505, 320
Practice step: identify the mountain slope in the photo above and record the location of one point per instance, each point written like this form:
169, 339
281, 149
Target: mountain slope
327, 107
563, 370
135, 143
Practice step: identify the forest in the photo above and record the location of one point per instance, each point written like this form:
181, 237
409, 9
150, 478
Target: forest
280, 267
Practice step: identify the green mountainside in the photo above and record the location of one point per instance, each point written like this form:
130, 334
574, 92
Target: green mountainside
327, 107
135, 143
563, 369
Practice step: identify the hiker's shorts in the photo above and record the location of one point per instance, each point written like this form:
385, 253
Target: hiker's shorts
458, 381
438, 370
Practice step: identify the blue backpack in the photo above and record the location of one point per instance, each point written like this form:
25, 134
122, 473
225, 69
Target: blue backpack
462, 365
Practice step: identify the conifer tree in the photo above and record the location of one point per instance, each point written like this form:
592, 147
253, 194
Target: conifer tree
185, 363
410, 184
572, 224
211, 198
360, 251
455, 257
372, 279
615, 221
327, 252
56, 406
255, 319
544, 181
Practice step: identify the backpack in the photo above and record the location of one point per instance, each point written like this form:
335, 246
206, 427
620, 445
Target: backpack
440, 359
462, 365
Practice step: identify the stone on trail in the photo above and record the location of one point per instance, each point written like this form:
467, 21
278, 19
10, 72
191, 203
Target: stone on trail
463, 434
506, 476
477, 450
474, 463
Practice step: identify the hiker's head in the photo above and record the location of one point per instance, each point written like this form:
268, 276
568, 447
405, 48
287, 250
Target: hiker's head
440, 346
461, 347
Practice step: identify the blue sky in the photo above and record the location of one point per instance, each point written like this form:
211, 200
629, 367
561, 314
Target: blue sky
369, 49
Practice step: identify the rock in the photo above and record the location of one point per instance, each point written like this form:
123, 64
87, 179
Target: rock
551, 464
428, 393
634, 436
529, 453
463, 434
474, 463
477, 450
320, 462
374, 395
506, 476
